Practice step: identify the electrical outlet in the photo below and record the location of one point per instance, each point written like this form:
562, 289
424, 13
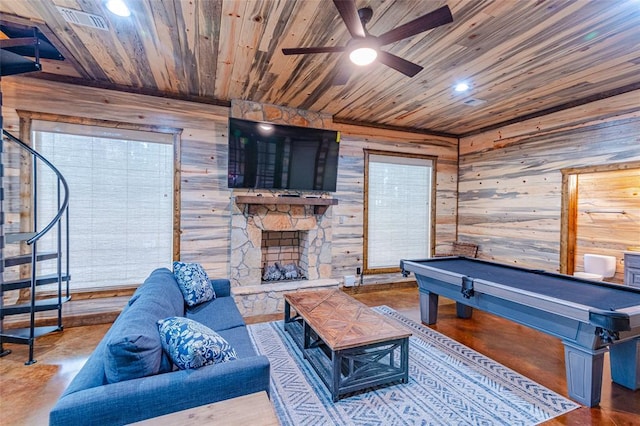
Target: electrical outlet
358, 270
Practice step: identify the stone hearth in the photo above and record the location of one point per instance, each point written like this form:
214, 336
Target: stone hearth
249, 224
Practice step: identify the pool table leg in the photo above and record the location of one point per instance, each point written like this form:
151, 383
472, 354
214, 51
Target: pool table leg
428, 307
584, 373
463, 311
625, 363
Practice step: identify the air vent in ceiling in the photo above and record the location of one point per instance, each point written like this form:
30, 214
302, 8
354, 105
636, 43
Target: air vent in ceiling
474, 102
85, 19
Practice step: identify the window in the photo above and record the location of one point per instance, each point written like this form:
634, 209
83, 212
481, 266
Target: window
398, 209
121, 200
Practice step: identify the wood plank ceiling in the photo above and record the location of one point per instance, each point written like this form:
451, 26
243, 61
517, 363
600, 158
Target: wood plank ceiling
521, 57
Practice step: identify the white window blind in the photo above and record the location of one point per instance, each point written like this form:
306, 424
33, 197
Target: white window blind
121, 200
399, 210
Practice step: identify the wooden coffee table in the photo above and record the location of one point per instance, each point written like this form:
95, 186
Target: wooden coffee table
350, 346
254, 409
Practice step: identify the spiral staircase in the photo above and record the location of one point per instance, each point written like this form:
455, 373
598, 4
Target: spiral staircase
20, 51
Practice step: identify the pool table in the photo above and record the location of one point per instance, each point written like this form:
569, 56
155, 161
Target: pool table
590, 317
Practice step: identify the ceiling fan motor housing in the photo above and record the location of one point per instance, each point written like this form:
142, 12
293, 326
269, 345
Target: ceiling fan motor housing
365, 15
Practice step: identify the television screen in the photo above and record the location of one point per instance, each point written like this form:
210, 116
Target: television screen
271, 156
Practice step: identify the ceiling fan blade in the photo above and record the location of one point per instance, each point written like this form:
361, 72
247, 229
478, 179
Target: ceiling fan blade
306, 50
424, 23
397, 63
349, 14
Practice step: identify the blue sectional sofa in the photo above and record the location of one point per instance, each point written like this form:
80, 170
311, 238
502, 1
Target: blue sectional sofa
129, 377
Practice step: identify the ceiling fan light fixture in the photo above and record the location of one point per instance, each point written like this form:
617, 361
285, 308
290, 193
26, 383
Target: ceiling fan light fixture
363, 55
364, 48
118, 7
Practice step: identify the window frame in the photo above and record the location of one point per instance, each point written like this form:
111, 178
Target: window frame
432, 216
26, 131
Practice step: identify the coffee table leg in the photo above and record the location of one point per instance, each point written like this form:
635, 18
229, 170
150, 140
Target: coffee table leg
307, 336
335, 376
287, 311
404, 363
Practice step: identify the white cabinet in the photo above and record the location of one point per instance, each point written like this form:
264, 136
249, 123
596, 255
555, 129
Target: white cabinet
632, 268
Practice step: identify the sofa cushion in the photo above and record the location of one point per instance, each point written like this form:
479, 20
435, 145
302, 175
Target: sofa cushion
218, 314
221, 287
193, 345
238, 337
162, 287
133, 348
193, 282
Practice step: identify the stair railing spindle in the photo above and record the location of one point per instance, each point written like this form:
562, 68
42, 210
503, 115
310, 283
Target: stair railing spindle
67, 249
34, 259
59, 258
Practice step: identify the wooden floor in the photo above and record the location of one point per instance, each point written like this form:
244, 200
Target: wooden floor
27, 393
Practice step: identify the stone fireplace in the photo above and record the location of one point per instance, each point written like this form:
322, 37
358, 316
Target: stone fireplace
255, 216
269, 229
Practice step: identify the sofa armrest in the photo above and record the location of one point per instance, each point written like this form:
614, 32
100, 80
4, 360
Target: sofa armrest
222, 287
152, 396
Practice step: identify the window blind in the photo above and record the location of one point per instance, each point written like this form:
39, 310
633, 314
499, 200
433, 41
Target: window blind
399, 210
121, 200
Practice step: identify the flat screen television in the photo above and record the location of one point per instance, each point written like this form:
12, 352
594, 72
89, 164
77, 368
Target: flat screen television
273, 156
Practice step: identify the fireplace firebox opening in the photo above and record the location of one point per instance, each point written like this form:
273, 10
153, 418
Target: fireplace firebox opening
283, 256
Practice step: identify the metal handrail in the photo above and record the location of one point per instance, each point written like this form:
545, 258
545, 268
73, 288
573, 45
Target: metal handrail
65, 202
63, 209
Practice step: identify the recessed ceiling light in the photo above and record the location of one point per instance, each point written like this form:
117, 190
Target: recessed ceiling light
118, 7
461, 87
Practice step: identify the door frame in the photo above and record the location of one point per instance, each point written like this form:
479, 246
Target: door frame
569, 209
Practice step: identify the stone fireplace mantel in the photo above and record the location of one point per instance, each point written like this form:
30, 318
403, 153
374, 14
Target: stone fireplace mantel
319, 204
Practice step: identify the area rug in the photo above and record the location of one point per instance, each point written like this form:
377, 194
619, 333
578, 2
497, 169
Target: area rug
449, 384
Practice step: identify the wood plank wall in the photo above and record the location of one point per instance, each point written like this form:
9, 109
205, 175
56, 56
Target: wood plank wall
204, 217
205, 198
510, 179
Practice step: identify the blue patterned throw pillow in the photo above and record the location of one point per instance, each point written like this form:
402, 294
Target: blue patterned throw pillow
193, 282
193, 345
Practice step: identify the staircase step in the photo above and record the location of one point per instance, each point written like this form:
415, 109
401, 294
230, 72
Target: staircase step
26, 258
12, 64
23, 335
16, 237
26, 282
23, 308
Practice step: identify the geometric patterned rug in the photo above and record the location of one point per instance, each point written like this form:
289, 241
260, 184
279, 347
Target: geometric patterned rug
449, 384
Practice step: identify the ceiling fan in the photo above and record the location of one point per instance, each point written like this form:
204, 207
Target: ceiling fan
364, 48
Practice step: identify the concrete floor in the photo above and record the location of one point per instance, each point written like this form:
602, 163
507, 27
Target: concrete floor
27, 393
